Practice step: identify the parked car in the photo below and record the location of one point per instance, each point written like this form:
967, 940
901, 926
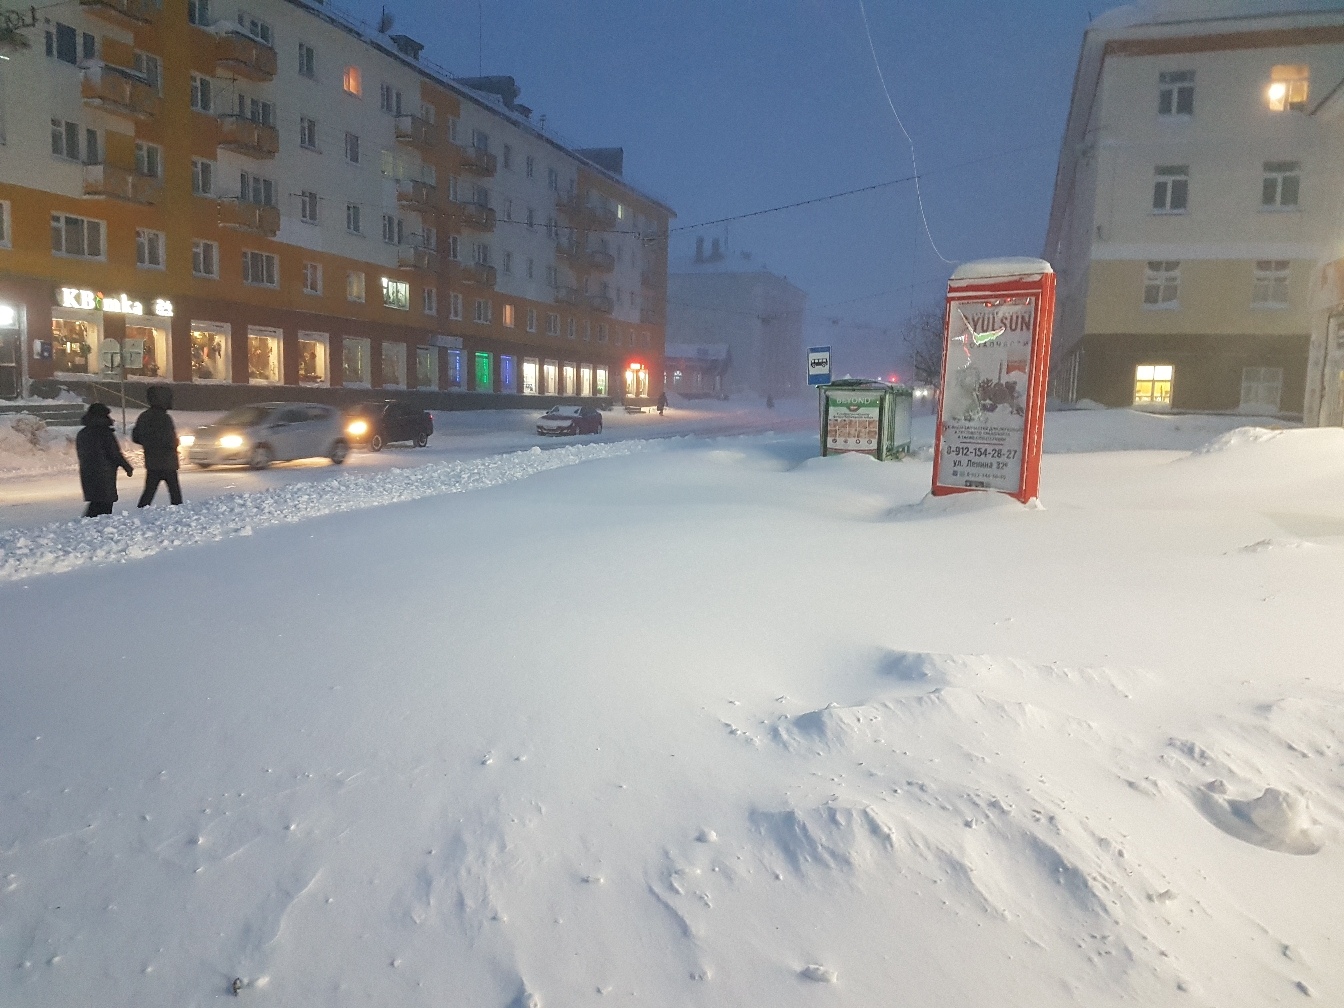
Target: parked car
262, 433
385, 421
570, 420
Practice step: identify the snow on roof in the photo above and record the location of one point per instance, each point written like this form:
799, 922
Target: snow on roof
1006, 266
1156, 12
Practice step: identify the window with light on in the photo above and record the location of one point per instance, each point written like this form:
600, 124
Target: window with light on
1152, 384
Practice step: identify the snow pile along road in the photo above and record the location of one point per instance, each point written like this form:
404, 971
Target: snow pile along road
126, 536
27, 444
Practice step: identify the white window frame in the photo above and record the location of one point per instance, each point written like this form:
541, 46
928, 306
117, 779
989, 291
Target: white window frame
307, 61
366, 379
225, 330
84, 223
1281, 186
308, 133
1176, 94
199, 266
324, 339
396, 293
312, 278
6, 226
430, 300
531, 320
352, 81
202, 177
455, 306
353, 215
354, 286
1171, 189
309, 207
481, 312
1261, 378
1269, 288
1154, 374
1162, 285
1289, 88
149, 247
202, 93
267, 262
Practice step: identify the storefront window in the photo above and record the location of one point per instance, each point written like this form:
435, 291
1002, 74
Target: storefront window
508, 378
567, 375
73, 344
152, 344
394, 365
454, 369
263, 355
209, 351
530, 368
427, 367
600, 382
313, 358
356, 363
637, 382
484, 377
1152, 384
585, 380
550, 377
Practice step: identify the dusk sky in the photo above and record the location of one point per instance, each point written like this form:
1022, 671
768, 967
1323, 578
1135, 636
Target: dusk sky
730, 107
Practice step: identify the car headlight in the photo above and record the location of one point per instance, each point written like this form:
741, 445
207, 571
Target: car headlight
358, 428
186, 440
231, 441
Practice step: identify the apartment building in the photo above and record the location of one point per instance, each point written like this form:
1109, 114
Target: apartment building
1196, 203
223, 197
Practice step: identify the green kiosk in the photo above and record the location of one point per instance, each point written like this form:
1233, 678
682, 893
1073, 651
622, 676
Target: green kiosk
865, 417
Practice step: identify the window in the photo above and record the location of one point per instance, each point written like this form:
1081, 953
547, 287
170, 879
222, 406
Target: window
530, 375
484, 379
148, 67
600, 381
480, 253
65, 139
307, 61
529, 165
454, 369
154, 360
453, 125
205, 259
258, 29
508, 209
429, 238
506, 315
480, 140
1152, 385
1176, 92
587, 330
76, 236
210, 352
506, 262
552, 228
552, 180
531, 217
63, 43
255, 189
552, 324
1261, 390
352, 82
263, 355
352, 218
148, 160
394, 365
451, 249
198, 13
529, 268
354, 286
396, 294
389, 99
1281, 185
572, 329
531, 320
312, 358
392, 229
508, 376
1287, 90
202, 93
550, 372
552, 277
427, 112
1171, 189
4, 224
202, 177
431, 301
307, 133
260, 269
356, 362
352, 148
455, 306
312, 278
601, 332
427, 367
149, 248
481, 312
308, 203
506, 159
256, 110
1270, 287
1161, 284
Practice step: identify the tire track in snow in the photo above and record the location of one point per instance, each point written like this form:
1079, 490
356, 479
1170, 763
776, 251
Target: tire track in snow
64, 546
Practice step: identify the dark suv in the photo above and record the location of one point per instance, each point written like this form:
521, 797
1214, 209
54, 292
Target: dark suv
376, 424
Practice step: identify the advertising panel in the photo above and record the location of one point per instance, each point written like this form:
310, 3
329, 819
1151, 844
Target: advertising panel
852, 420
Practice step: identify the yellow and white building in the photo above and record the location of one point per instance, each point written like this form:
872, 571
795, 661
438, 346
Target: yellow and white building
227, 195
1196, 202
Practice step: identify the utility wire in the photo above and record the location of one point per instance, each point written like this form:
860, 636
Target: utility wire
919, 195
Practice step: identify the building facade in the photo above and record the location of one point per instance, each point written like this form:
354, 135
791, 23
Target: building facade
1196, 201
277, 196
716, 298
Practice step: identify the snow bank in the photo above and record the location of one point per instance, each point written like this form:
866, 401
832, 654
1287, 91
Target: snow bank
28, 445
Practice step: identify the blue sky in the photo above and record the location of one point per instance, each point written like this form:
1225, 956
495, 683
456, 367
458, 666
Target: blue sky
727, 106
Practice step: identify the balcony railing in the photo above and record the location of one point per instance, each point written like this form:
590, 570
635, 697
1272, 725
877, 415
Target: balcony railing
599, 261
413, 130
569, 250
106, 181
118, 91
570, 296
585, 217
416, 195
240, 55
601, 303
413, 258
477, 161
247, 137
130, 14
473, 216
254, 217
477, 273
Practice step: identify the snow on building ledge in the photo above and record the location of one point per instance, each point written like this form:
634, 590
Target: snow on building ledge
1007, 266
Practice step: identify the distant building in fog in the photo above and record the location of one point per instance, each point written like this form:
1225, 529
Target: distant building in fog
697, 371
718, 299
1195, 203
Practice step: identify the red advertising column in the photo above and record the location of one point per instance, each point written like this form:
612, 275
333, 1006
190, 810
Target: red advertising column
996, 355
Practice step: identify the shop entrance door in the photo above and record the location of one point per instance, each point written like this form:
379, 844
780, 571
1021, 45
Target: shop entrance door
11, 363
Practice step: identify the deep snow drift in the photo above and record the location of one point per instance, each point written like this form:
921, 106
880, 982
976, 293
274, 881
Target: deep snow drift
699, 724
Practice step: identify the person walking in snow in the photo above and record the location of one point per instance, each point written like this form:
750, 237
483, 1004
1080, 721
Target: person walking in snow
155, 433
662, 402
99, 459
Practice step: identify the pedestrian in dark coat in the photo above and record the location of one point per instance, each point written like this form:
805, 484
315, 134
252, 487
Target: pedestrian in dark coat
155, 433
99, 459
662, 402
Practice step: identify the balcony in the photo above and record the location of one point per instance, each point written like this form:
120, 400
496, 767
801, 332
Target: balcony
585, 217
410, 257
570, 296
477, 273
650, 316
477, 161
599, 261
247, 137
473, 216
569, 250
106, 181
252, 217
415, 131
128, 14
239, 55
118, 91
601, 303
418, 196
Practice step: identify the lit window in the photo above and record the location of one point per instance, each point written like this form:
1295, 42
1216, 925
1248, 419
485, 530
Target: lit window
1270, 288
1281, 186
484, 378
354, 286
394, 365
1152, 385
352, 82
396, 294
356, 362
1288, 87
263, 355
1171, 189
1161, 284
312, 358
506, 315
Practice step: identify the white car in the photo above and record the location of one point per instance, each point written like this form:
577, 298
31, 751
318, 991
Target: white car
262, 433
570, 420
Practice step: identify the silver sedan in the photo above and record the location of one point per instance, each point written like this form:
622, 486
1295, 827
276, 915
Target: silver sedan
262, 433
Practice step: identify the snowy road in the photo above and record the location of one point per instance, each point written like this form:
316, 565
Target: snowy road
31, 499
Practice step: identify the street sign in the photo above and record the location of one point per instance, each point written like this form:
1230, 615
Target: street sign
133, 354
819, 365
109, 355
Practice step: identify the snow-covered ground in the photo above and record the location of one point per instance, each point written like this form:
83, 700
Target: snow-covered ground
688, 722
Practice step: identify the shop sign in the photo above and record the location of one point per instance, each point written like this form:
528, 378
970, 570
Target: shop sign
89, 300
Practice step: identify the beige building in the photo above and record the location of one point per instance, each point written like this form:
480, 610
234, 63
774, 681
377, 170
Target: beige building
1196, 201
